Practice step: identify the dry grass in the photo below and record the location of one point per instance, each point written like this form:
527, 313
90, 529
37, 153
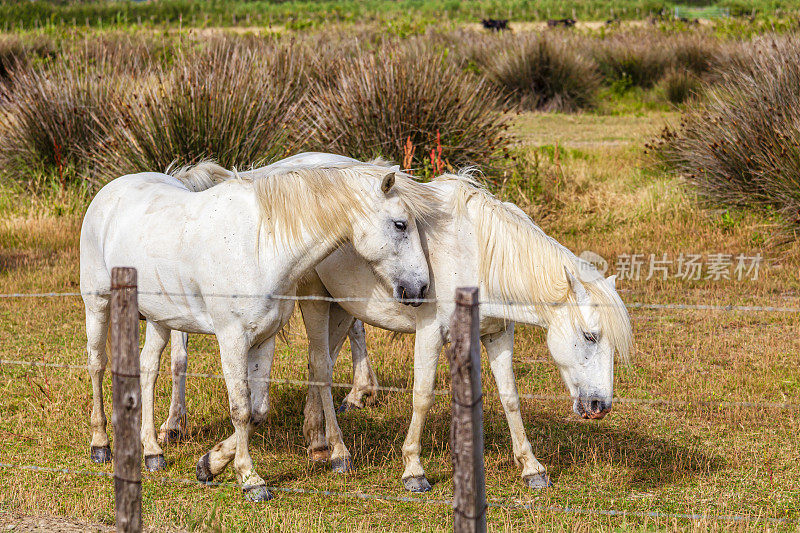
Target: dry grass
640, 458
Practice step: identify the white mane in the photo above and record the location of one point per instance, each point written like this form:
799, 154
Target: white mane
320, 200
511, 243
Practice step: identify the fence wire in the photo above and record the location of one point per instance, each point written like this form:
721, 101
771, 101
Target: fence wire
505, 504
688, 403
314, 298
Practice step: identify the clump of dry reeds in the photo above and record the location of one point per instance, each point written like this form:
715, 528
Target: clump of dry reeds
539, 71
740, 146
50, 117
232, 102
380, 103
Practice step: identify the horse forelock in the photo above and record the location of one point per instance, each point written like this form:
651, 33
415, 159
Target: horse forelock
509, 243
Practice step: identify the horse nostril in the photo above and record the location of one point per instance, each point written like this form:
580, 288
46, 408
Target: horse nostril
596, 406
423, 291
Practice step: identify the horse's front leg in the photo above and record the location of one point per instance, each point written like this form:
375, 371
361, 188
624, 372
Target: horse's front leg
365, 384
234, 353
316, 315
174, 427
156, 338
500, 349
427, 346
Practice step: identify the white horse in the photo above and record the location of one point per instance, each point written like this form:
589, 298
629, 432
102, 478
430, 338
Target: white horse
524, 276
258, 237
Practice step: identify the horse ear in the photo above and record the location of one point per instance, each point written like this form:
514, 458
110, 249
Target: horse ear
612, 281
577, 287
387, 183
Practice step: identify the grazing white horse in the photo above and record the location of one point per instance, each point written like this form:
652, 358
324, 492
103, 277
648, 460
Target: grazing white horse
256, 237
524, 276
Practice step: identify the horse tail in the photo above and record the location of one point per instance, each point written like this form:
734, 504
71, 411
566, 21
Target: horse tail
202, 176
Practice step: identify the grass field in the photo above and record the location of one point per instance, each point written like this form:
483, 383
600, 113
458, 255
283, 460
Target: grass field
595, 191
307, 13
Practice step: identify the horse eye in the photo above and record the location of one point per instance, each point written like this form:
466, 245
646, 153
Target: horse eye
400, 225
590, 337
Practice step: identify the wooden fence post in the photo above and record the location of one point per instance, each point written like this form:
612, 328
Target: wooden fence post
127, 417
466, 429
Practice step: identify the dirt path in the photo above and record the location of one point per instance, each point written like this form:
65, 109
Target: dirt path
10, 523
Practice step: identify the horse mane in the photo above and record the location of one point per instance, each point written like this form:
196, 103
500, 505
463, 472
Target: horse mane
510, 243
201, 176
320, 200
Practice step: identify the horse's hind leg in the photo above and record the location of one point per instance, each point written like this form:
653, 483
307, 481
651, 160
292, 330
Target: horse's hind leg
316, 317
97, 316
500, 349
156, 338
365, 384
173, 428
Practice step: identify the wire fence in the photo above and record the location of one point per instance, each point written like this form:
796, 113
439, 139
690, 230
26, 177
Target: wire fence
356, 299
495, 503
671, 402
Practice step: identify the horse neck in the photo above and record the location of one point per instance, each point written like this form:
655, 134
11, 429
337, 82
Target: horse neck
520, 313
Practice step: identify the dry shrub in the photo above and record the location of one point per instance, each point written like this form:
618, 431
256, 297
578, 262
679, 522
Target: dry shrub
539, 71
679, 85
232, 102
50, 115
632, 59
379, 101
740, 146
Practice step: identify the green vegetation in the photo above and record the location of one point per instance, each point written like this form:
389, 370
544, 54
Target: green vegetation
306, 14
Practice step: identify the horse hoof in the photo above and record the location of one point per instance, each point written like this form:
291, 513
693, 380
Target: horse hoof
342, 465
417, 484
347, 406
173, 436
154, 463
257, 493
320, 456
101, 454
204, 474
538, 481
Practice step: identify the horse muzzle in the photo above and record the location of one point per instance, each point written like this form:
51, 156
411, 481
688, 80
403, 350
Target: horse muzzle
592, 407
410, 295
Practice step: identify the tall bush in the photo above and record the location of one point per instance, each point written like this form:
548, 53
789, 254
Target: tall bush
50, 117
539, 71
403, 99
740, 146
232, 102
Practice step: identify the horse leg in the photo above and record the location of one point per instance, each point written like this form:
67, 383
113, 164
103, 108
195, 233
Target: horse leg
365, 384
234, 353
427, 346
316, 316
173, 428
500, 349
97, 317
314, 422
156, 338
259, 365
